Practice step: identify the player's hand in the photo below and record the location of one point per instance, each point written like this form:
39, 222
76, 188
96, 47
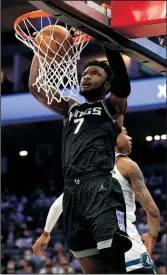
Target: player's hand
149, 242
35, 34
77, 32
40, 244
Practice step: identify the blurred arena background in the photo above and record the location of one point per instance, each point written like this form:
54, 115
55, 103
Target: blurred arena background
31, 148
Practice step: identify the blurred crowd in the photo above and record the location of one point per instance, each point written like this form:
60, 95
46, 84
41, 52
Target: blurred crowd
23, 219
7, 86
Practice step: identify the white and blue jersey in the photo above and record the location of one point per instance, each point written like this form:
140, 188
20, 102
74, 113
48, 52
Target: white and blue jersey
137, 257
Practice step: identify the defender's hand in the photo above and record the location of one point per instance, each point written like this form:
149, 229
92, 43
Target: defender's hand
41, 244
149, 242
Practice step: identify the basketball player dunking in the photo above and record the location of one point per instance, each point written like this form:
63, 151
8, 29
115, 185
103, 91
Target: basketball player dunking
129, 175
93, 218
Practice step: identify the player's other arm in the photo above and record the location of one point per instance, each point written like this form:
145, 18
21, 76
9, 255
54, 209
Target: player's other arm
60, 108
54, 213
119, 105
143, 195
117, 108
120, 84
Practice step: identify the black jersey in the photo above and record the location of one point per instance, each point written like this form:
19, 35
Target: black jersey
88, 140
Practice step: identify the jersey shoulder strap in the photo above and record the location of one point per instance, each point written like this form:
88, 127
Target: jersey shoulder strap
107, 110
120, 155
73, 105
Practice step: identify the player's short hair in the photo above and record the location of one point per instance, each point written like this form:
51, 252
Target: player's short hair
101, 64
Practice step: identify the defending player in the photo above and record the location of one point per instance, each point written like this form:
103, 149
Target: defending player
128, 173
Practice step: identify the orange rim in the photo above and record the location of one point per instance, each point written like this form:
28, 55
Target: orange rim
105, 6
37, 14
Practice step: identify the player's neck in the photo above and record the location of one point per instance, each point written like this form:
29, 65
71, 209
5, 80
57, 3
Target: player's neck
120, 151
93, 99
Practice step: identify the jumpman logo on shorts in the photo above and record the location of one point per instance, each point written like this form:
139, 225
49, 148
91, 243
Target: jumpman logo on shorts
102, 188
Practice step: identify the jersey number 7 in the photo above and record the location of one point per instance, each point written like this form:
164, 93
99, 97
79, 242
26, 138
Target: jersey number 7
79, 121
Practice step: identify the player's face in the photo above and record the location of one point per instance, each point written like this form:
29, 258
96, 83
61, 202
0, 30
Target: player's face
124, 142
94, 82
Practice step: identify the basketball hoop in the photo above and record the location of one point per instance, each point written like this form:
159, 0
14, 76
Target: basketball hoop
55, 77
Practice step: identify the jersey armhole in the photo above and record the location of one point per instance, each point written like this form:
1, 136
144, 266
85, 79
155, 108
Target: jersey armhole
107, 111
122, 155
73, 105
65, 119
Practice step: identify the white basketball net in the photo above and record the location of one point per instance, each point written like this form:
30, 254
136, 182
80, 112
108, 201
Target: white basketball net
59, 79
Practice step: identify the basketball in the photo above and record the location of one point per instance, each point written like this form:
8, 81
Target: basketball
54, 41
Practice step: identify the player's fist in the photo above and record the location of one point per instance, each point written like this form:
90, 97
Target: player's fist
149, 242
40, 244
76, 32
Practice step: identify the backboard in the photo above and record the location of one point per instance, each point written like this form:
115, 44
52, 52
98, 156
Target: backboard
95, 20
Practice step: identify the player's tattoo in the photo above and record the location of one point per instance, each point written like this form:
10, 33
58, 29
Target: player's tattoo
139, 186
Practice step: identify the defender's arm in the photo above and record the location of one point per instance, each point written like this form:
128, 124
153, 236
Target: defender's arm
131, 170
143, 195
54, 213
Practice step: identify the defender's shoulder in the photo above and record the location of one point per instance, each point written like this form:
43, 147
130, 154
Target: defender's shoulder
125, 165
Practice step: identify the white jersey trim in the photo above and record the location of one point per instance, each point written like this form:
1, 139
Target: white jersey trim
133, 267
78, 104
90, 103
121, 155
73, 105
85, 253
121, 177
107, 111
104, 244
115, 168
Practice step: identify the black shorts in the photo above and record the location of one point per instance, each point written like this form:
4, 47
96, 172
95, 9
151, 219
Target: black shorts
93, 212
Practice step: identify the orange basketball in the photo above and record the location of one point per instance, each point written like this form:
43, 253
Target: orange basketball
54, 41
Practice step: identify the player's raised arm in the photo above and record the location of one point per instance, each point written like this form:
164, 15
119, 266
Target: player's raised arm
143, 195
120, 84
62, 107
